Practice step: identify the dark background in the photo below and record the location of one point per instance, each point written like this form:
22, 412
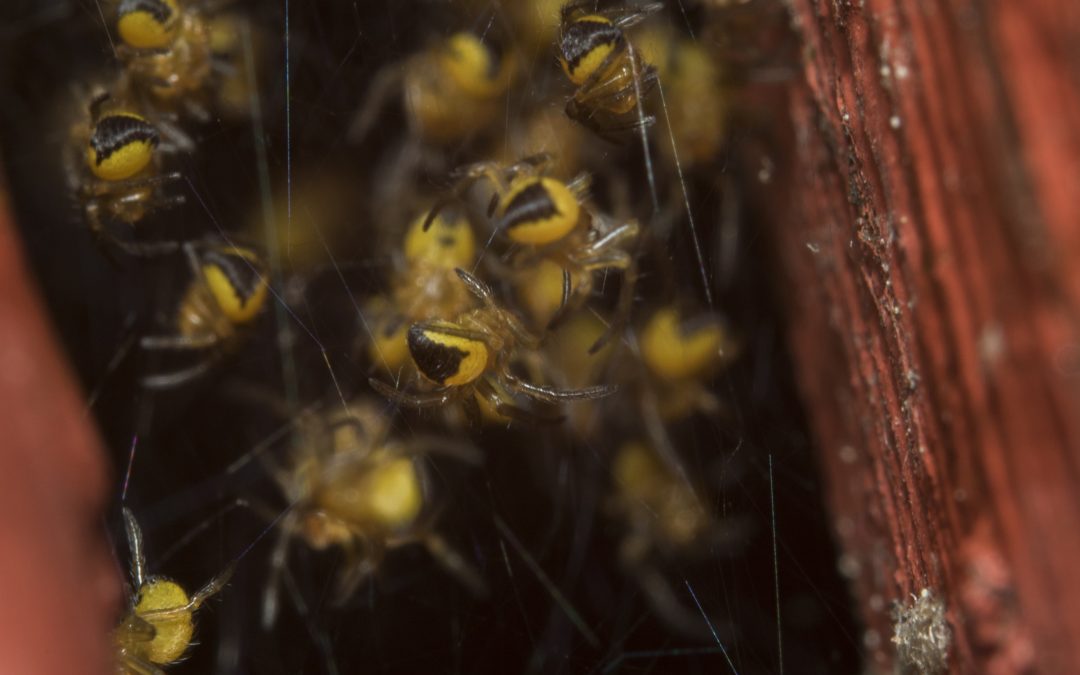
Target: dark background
412, 618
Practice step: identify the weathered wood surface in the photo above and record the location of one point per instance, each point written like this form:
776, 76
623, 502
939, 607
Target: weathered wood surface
931, 254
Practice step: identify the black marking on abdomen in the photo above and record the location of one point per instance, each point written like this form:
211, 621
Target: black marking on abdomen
158, 9
531, 205
581, 37
245, 275
113, 132
435, 360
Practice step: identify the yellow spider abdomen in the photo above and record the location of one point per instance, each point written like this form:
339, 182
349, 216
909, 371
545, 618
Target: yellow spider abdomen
538, 211
697, 103
635, 470
394, 493
472, 65
586, 43
448, 242
677, 350
121, 145
541, 290
389, 345
172, 634
645, 482
383, 491
237, 282
148, 24
446, 358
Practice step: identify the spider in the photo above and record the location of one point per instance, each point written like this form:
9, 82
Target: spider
549, 220
159, 624
566, 362
610, 75
450, 90
166, 49
664, 517
352, 485
697, 97
114, 169
681, 355
470, 356
227, 293
424, 285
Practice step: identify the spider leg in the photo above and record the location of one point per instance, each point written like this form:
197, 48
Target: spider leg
178, 139
476, 287
538, 163
465, 177
135, 545
179, 342
571, 8
412, 399
96, 102
638, 15
200, 596
612, 133
453, 562
580, 185
128, 184
623, 306
197, 111
139, 666
191, 254
552, 395
628, 231
144, 250
138, 628
512, 411
179, 377
278, 560
212, 587
570, 300
102, 237
622, 18
359, 566
617, 259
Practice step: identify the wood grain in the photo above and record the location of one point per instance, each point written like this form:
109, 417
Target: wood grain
930, 253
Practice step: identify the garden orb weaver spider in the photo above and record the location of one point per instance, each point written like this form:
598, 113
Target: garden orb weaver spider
551, 222
610, 75
227, 293
664, 517
450, 91
352, 485
470, 356
424, 285
166, 49
160, 621
681, 353
114, 169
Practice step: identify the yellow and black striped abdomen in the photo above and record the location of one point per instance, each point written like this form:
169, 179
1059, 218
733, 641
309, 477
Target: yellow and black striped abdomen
444, 357
538, 211
121, 145
585, 44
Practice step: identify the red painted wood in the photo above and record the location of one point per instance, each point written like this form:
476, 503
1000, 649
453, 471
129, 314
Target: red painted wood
931, 257
59, 589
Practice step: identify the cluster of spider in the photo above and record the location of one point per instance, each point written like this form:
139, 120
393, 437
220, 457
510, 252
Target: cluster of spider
498, 307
